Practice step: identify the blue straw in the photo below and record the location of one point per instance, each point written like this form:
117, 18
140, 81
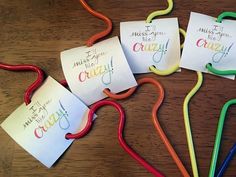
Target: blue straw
225, 164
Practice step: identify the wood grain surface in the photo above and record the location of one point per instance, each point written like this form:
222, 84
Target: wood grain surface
36, 31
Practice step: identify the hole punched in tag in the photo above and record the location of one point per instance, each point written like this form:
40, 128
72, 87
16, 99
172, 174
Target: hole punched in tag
101, 34
34, 86
121, 139
154, 117
218, 137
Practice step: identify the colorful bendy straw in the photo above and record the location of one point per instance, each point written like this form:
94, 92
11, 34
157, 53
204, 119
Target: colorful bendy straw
220, 72
187, 124
225, 163
222, 115
149, 20
154, 117
108, 22
224, 15
161, 12
121, 139
218, 136
34, 86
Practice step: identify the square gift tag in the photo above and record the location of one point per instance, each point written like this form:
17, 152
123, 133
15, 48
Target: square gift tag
208, 41
89, 70
146, 44
41, 126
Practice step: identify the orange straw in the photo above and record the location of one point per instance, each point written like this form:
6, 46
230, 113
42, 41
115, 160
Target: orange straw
154, 117
102, 34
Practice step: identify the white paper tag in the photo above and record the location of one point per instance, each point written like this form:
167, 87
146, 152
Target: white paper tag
89, 70
147, 44
208, 41
41, 126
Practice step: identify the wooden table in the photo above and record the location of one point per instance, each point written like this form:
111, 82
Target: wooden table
36, 31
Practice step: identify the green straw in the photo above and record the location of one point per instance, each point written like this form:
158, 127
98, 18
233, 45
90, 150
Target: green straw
220, 72
225, 14
218, 136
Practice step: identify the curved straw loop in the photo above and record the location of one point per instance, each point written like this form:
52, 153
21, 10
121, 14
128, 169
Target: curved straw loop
220, 72
218, 136
187, 124
34, 86
166, 72
160, 12
154, 117
224, 15
226, 162
121, 139
172, 69
108, 22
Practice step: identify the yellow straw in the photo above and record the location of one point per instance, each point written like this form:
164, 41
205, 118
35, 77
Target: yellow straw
183, 34
160, 12
166, 72
187, 124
